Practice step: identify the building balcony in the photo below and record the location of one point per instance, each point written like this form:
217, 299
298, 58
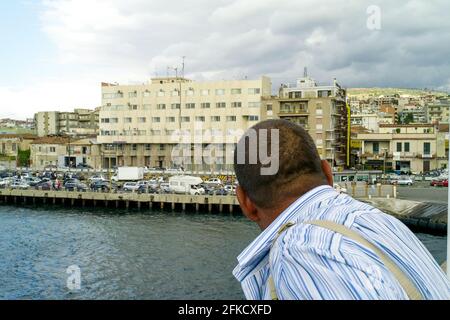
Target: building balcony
426, 156
300, 112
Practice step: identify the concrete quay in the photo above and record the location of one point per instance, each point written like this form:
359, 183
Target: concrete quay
174, 202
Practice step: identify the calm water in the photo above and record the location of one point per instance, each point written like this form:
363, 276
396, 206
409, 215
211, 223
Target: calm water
126, 256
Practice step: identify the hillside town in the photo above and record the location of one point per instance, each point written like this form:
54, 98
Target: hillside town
400, 133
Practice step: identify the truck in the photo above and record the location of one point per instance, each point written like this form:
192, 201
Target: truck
130, 174
186, 185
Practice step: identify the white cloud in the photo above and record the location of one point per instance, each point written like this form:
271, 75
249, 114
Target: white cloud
115, 40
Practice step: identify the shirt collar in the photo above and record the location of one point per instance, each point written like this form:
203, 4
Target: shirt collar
258, 249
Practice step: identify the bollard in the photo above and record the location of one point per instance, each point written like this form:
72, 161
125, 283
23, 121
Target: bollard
394, 191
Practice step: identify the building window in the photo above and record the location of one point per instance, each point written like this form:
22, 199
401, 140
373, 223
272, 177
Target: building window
175, 93
376, 147
399, 147
215, 119
190, 105
406, 146
162, 147
161, 93
426, 148
170, 119
200, 119
253, 118
190, 92
269, 107
206, 105
146, 94
176, 106
236, 91
52, 149
132, 94
319, 110
161, 106
146, 107
220, 92
231, 118
127, 120
156, 119
142, 120
254, 91
236, 104
205, 92
254, 104
221, 105
148, 147
185, 119
134, 147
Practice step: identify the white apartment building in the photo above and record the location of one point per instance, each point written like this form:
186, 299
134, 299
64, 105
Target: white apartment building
138, 123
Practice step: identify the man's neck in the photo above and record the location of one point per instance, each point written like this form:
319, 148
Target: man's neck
268, 216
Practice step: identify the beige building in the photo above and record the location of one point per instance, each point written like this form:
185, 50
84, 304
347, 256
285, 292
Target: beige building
322, 111
409, 148
138, 122
46, 152
11, 145
438, 113
78, 122
63, 152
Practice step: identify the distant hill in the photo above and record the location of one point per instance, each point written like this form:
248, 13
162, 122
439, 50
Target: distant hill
375, 92
4, 130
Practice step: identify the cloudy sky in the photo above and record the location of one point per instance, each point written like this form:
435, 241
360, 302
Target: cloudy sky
55, 53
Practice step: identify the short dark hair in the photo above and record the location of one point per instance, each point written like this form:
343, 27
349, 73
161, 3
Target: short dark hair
300, 167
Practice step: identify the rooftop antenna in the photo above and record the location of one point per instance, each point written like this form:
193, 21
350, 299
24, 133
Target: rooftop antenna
305, 72
184, 57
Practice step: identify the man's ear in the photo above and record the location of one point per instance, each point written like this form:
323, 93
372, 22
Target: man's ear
247, 205
326, 168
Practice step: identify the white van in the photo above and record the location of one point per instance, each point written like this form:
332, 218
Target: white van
186, 185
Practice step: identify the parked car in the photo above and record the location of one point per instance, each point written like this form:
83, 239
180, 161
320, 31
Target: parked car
405, 181
214, 181
32, 181
218, 192
74, 184
104, 186
231, 189
130, 186
439, 183
5, 182
196, 190
18, 184
165, 187
97, 177
43, 185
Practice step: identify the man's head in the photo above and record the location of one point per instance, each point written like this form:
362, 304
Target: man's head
264, 196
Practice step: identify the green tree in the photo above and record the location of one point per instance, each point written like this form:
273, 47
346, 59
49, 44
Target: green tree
23, 158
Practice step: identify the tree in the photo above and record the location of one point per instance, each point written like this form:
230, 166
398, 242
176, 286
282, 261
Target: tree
23, 158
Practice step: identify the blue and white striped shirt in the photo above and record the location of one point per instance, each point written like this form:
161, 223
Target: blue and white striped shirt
310, 262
